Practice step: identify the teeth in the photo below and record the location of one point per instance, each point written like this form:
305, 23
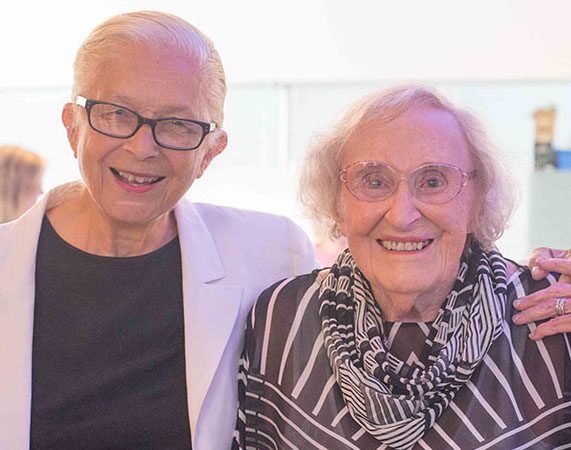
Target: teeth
404, 246
133, 179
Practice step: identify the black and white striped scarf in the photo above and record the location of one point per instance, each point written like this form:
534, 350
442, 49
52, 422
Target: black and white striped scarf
393, 401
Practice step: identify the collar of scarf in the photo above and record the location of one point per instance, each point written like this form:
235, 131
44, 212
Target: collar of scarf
393, 401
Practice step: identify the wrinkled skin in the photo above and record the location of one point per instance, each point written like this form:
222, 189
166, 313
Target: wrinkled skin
541, 305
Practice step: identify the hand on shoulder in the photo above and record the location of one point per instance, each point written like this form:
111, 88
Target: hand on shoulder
554, 302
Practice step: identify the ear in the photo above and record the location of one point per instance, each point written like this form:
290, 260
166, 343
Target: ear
217, 145
67, 117
340, 223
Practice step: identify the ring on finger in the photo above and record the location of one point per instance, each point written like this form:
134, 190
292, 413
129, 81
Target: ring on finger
560, 306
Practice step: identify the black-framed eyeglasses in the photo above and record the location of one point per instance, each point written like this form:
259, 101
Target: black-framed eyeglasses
120, 122
435, 183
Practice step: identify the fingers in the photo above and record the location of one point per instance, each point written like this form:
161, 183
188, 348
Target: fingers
541, 305
536, 272
557, 325
543, 260
543, 252
542, 310
539, 253
563, 266
545, 299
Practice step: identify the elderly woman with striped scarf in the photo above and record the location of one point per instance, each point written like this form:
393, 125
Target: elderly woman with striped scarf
408, 340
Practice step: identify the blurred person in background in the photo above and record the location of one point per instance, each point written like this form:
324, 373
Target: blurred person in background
21, 173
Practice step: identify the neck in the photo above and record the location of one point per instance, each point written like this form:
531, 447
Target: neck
411, 306
80, 223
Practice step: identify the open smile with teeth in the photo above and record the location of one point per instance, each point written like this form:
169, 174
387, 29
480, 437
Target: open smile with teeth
135, 180
399, 246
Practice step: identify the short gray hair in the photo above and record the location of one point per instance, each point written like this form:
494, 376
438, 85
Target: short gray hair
320, 183
157, 30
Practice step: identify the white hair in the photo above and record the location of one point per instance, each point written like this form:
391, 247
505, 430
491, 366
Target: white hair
156, 30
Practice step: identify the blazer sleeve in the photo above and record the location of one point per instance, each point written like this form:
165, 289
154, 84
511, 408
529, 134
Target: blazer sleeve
301, 249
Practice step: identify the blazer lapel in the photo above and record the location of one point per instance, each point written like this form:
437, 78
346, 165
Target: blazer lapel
210, 311
17, 279
210, 306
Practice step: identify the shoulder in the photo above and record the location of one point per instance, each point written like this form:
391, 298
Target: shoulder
12, 234
269, 242
6, 230
22, 233
225, 216
18, 245
521, 283
285, 300
286, 310
290, 290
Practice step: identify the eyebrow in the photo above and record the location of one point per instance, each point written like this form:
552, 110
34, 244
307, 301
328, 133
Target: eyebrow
165, 111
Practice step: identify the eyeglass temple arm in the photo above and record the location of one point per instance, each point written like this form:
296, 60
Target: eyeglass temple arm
81, 101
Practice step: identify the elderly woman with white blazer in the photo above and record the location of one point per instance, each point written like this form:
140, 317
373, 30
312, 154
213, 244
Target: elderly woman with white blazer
122, 304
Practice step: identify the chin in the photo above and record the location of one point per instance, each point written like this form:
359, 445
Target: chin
406, 281
134, 216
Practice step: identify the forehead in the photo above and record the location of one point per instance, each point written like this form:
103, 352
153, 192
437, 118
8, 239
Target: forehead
418, 136
148, 78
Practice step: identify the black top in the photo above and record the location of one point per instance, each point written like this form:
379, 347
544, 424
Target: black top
108, 367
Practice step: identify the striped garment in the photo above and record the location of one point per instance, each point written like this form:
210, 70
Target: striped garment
394, 401
289, 397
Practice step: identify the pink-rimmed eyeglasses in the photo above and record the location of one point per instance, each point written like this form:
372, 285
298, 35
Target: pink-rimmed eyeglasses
434, 183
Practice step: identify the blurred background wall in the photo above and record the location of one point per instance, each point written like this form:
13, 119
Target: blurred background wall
292, 68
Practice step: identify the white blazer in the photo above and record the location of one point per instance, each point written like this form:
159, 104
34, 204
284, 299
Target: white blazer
228, 257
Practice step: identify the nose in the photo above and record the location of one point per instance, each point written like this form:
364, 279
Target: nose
402, 211
142, 144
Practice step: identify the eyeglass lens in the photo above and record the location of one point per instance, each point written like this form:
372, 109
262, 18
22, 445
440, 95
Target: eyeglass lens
120, 122
434, 183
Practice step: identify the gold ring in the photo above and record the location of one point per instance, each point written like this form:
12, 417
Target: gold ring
560, 306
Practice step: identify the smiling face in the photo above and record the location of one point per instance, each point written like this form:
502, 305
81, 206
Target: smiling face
403, 246
134, 181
